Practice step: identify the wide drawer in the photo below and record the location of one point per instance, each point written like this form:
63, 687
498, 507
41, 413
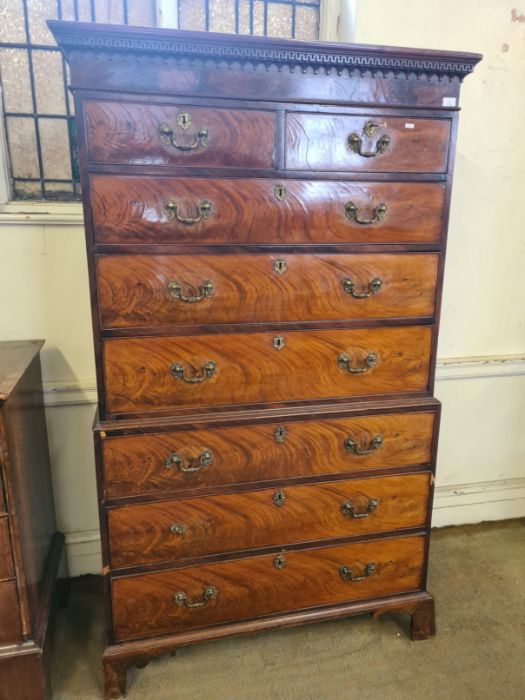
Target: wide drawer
173, 601
6, 556
134, 209
161, 290
375, 143
141, 134
159, 373
162, 462
193, 527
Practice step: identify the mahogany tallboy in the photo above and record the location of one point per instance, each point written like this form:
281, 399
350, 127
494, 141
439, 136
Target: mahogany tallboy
30, 547
265, 224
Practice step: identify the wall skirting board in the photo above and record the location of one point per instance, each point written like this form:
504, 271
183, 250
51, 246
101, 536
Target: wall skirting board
454, 504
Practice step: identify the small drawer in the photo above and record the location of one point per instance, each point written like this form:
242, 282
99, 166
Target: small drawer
162, 462
173, 601
132, 209
155, 291
159, 135
374, 143
6, 556
162, 373
10, 629
173, 530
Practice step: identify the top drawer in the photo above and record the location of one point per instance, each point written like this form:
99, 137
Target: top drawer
356, 143
139, 134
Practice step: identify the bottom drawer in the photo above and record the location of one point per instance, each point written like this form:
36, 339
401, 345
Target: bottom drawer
174, 601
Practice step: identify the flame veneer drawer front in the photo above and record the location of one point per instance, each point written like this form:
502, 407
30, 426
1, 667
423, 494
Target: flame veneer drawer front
173, 601
376, 143
163, 373
163, 462
156, 291
181, 529
133, 133
133, 209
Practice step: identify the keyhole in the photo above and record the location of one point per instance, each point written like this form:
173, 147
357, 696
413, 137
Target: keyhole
279, 192
280, 266
280, 433
278, 342
183, 120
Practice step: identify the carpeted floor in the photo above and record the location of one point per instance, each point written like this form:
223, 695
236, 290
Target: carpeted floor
477, 574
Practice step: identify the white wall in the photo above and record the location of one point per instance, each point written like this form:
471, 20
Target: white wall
481, 374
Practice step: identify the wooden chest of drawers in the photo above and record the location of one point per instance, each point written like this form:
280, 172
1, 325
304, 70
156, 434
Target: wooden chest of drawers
265, 224
30, 547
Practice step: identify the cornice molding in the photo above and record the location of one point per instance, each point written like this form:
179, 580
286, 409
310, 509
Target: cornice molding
377, 61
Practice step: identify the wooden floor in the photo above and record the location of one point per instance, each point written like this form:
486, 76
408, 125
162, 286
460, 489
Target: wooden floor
477, 574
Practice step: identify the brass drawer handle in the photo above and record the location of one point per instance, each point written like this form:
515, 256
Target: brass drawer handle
206, 291
351, 446
356, 144
345, 362
194, 464
373, 287
346, 573
208, 370
351, 213
202, 138
181, 598
171, 209
178, 529
349, 510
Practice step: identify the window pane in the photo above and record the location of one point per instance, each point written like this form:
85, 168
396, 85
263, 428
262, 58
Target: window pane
38, 12
12, 22
59, 190
54, 142
49, 82
307, 23
258, 18
22, 146
279, 20
14, 72
27, 190
192, 15
222, 16
141, 13
109, 11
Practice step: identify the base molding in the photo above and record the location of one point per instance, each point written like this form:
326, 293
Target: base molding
118, 658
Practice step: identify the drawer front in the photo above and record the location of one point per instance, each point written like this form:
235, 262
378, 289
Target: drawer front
10, 630
128, 209
6, 557
193, 527
160, 603
140, 134
155, 290
156, 373
366, 144
164, 462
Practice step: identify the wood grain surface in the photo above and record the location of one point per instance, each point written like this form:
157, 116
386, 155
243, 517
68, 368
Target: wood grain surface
6, 554
144, 605
142, 464
250, 370
10, 627
135, 290
128, 133
131, 209
320, 142
141, 534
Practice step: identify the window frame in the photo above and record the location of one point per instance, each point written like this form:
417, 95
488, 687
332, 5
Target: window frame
336, 24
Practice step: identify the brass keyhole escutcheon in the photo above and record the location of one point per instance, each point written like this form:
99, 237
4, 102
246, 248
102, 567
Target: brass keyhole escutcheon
279, 561
280, 266
184, 120
280, 433
278, 342
279, 192
279, 497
